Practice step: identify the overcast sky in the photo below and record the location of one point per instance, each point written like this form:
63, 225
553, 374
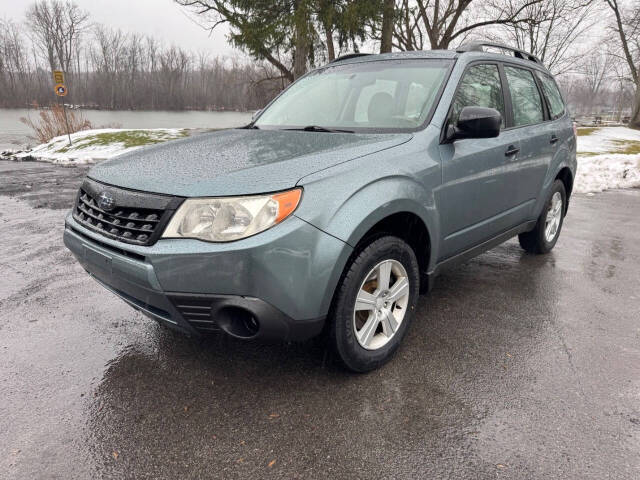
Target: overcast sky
162, 19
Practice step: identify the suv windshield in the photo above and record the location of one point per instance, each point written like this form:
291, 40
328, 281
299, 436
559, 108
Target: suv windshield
387, 95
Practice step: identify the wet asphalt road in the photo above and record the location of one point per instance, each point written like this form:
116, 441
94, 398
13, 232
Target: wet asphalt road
517, 366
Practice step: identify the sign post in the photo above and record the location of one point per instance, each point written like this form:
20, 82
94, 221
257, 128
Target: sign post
61, 91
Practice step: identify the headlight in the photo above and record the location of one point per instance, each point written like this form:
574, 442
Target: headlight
231, 218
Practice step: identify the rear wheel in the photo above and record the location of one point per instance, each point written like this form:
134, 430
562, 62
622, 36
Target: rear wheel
374, 304
547, 230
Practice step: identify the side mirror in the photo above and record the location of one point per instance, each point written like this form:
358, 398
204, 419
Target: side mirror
255, 114
475, 122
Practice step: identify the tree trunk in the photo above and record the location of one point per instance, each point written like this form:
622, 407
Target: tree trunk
635, 114
301, 39
330, 47
387, 26
300, 56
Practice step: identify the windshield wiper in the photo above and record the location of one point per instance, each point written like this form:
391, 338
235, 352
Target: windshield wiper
317, 128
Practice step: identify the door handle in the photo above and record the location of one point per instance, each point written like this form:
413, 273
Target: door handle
511, 151
553, 140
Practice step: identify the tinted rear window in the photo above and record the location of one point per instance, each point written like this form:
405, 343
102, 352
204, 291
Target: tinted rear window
525, 97
556, 105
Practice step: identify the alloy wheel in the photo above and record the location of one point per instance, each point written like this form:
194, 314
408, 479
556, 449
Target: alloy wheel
381, 304
554, 217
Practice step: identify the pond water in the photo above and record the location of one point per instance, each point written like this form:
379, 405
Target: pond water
14, 133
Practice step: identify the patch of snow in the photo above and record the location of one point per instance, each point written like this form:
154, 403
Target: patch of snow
600, 167
605, 172
603, 140
82, 151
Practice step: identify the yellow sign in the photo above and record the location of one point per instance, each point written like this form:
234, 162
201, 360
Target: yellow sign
58, 76
61, 90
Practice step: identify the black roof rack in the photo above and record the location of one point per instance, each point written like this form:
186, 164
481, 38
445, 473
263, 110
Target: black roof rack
479, 47
348, 56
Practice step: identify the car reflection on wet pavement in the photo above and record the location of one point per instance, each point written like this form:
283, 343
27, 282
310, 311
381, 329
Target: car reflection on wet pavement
516, 366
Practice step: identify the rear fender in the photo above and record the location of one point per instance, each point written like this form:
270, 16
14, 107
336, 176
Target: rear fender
564, 157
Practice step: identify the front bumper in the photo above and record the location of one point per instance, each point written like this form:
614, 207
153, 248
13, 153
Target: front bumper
276, 285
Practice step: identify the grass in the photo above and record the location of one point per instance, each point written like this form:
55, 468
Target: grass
127, 138
584, 131
590, 154
623, 147
626, 147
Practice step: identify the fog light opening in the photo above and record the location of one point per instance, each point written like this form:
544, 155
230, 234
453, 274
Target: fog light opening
238, 322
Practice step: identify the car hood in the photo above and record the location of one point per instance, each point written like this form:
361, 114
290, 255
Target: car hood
237, 162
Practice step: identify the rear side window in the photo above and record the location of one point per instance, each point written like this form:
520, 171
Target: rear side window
480, 87
552, 93
525, 97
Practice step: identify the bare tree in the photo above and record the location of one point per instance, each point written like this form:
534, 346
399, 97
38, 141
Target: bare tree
626, 25
14, 64
595, 70
56, 27
552, 31
439, 23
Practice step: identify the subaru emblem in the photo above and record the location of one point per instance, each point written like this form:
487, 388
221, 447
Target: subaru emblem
106, 201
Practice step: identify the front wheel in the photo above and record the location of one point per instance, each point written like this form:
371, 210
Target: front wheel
374, 304
547, 230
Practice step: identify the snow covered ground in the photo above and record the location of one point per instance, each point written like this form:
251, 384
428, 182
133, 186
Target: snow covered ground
92, 146
608, 158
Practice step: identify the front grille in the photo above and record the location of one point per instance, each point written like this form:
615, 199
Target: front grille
129, 224
197, 312
137, 218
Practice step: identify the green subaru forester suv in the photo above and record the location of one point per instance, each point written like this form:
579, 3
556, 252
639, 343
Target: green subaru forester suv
339, 203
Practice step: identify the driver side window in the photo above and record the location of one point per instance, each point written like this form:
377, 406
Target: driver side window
480, 87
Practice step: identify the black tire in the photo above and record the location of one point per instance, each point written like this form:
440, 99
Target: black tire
342, 330
535, 240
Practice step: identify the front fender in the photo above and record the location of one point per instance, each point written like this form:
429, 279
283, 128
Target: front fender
379, 200
358, 213
368, 206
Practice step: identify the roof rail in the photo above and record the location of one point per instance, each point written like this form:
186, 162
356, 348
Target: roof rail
348, 56
479, 47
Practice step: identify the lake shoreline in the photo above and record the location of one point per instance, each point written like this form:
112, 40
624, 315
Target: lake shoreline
143, 110
14, 135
